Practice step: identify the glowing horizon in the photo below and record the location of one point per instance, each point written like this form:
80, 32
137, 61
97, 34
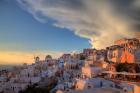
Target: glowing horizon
13, 57
31, 28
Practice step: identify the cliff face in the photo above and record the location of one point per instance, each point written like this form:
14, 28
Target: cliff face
125, 50
127, 57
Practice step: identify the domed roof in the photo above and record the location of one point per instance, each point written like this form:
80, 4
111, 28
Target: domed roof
37, 57
48, 57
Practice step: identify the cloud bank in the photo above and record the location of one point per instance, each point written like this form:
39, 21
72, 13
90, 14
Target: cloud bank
100, 21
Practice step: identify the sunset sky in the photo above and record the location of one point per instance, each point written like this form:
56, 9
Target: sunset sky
31, 28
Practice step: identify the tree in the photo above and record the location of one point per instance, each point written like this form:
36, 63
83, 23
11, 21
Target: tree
33, 89
44, 89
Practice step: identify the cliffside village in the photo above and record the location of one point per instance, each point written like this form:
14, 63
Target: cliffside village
115, 69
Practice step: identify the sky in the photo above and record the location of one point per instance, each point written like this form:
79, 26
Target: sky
31, 28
